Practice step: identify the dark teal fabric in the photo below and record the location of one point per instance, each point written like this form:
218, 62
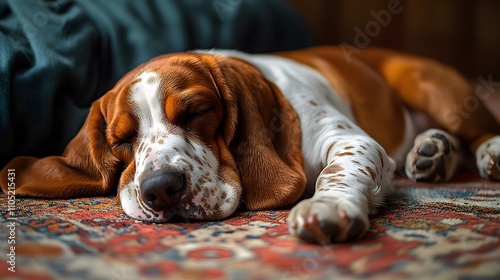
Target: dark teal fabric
56, 57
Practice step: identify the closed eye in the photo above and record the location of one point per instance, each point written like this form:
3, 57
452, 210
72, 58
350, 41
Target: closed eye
123, 138
122, 146
123, 150
196, 115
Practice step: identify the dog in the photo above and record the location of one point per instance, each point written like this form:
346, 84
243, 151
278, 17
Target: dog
202, 134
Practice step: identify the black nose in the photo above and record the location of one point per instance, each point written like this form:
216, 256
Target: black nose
163, 190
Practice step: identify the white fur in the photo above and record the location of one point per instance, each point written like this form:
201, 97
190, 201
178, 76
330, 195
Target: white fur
348, 173
160, 146
449, 160
302, 85
328, 132
488, 157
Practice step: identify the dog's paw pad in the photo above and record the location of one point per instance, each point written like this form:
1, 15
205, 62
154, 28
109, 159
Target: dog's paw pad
325, 221
488, 159
433, 158
427, 149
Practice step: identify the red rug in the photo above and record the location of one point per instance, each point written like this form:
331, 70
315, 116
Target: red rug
446, 231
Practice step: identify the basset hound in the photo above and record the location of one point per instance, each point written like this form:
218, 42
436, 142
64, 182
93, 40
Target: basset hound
201, 134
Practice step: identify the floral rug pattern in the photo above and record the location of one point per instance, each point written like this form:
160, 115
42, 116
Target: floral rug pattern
449, 231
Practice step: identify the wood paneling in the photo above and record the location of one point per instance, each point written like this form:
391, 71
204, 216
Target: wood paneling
462, 33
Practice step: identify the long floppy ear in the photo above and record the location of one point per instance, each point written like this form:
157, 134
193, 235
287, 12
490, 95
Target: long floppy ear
266, 142
86, 168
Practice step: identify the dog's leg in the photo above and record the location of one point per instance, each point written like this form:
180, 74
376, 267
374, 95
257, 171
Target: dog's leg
447, 98
355, 181
488, 159
434, 156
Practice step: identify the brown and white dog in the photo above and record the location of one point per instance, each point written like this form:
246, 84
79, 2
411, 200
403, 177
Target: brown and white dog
200, 134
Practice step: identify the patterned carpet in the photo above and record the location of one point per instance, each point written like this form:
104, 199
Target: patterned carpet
447, 231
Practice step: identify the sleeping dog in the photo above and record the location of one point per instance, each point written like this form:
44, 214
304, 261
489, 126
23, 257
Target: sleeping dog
202, 133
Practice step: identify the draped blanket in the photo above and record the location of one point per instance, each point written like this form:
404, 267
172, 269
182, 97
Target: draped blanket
56, 57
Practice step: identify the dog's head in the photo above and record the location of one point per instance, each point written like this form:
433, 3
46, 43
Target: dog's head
185, 134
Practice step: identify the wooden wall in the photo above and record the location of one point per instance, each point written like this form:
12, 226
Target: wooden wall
462, 33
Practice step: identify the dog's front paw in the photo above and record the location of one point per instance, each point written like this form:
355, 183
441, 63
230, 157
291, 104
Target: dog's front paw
327, 219
433, 158
488, 159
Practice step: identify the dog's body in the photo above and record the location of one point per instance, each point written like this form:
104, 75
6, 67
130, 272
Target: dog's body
199, 134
